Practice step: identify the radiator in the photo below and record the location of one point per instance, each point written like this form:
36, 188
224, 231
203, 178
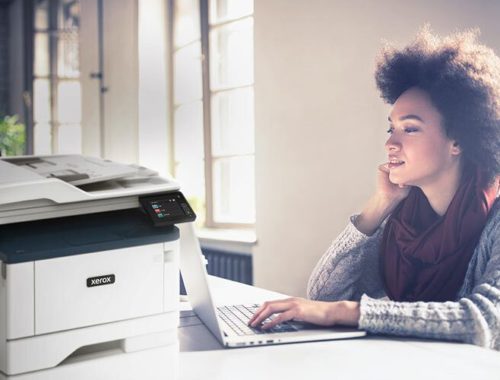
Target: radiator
233, 266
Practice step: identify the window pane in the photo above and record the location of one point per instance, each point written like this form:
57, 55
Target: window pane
188, 132
231, 54
187, 74
41, 100
69, 105
234, 190
187, 22
191, 176
68, 59
69, 139
69, 15
222, 10
41, 54
42, 139
42, 15
233, 122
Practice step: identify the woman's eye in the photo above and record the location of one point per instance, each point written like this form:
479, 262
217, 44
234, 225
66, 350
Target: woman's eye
405, 129
411, 129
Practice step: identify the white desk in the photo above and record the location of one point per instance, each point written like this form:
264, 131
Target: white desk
371, 357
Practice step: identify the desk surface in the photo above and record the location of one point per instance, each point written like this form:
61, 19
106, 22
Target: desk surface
370, 357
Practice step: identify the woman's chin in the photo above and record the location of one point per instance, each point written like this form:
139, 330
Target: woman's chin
396, 180
400, 181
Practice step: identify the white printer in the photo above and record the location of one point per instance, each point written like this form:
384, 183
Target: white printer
89, 268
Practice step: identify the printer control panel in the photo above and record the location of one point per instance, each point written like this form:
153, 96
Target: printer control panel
168, 208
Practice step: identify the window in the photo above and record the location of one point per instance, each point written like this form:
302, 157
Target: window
213, 108
56, 77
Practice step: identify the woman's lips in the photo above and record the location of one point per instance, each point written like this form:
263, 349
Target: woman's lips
395, 164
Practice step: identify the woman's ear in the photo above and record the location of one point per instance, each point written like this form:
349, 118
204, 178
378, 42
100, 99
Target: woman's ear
455, 149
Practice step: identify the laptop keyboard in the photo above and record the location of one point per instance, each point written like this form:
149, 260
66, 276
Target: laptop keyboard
236, 318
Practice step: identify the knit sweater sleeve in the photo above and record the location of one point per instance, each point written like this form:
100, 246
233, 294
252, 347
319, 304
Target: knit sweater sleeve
349, 268
473, 318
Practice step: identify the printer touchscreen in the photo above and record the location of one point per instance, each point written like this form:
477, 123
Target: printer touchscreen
168, 209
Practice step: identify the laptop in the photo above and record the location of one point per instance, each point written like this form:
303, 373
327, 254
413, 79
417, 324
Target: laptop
228, 323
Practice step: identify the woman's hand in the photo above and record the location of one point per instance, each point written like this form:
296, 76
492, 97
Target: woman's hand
386, 190
386, 198
299, 309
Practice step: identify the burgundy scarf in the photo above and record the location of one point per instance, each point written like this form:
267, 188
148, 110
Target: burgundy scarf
424, 257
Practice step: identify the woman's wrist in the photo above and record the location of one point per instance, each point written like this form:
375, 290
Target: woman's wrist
346, 313
374, 213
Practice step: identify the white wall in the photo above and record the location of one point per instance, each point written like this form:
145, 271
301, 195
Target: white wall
154, 139
117, 138
89, 64
320, 125
121, 114
135, 74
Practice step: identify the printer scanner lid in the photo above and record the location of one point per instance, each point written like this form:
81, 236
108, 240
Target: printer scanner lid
75, 178
41, 187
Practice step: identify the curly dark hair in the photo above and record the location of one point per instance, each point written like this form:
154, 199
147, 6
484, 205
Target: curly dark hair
462, 78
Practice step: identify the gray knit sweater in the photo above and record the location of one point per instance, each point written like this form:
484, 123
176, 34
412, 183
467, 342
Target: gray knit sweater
349, 270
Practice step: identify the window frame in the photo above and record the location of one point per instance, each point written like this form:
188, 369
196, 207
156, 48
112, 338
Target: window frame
207, 94
53, 33
28, 63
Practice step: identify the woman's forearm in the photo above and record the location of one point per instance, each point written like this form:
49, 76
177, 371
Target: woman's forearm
373, 214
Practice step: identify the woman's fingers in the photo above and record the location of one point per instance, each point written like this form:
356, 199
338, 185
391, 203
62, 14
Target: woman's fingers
285, 316
384, 168
257, 313
397, 191
267, 309
255, 316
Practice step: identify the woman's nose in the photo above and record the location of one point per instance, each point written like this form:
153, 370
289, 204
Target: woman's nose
392, 145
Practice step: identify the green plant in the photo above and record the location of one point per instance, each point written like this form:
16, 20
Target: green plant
12, 136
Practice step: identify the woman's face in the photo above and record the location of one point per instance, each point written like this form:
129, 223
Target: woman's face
420, 153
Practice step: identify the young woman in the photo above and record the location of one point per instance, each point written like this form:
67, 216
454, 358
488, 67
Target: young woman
423, 257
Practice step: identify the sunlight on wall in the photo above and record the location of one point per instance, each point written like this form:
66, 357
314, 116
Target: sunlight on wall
153, 136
